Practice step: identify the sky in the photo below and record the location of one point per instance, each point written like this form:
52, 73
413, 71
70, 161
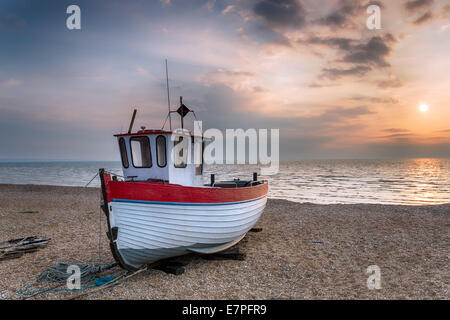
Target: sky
311, 68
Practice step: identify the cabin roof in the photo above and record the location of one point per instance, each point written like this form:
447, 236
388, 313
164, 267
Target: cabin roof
141, 132
152, 131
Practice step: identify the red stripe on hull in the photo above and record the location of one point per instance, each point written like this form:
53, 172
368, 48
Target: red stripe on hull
165, 192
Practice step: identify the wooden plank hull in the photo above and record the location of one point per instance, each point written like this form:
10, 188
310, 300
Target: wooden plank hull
150, 232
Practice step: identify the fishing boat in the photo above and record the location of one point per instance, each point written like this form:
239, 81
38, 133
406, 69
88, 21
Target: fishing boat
160, 207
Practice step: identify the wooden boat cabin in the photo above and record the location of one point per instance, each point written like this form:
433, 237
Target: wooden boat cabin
146, 156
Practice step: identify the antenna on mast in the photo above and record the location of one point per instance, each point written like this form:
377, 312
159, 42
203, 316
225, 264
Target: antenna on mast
168, 96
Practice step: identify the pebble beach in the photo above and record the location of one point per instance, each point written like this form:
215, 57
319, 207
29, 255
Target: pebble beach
304, 251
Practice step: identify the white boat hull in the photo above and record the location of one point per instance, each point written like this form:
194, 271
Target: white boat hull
149, 231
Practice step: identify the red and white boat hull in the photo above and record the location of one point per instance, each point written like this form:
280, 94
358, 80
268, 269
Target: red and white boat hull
147, 227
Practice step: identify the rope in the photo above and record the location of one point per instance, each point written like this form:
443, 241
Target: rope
97, 283
58, 273
168, 115
100, 237
91, 180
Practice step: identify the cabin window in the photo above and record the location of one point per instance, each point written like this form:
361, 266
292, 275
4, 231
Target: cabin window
161, 151
180, 145
140, 152
123, 153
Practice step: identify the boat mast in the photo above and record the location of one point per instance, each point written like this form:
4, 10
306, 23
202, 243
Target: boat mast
168, 96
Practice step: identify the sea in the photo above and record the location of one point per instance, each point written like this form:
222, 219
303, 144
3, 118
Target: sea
393, 181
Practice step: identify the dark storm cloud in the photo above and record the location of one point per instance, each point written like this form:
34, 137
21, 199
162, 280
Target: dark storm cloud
335, 73
281, 13
423, 18
417, 4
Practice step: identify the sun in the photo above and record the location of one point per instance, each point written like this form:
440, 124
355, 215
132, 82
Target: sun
423, 108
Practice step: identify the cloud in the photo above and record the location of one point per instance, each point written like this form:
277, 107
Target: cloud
337, 42
219, 75
362, 55
342, 16
227, 9
344, 113
334, 73
233, 73
384, 100
396, 130
268, 35
209, 5
321, 85
417, 4
281, 13
259, 89
446, 11
423, 18
235, 79
374, 52
166, 2
392, 82
398, 136
375, 2
142, 71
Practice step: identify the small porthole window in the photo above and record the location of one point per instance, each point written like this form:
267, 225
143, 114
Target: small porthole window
123, 153
140, 152
161, 151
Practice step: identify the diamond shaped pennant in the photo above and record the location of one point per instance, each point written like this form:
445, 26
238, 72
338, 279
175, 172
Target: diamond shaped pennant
183, 110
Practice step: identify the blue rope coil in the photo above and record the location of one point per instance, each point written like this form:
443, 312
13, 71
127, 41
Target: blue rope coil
94, 281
